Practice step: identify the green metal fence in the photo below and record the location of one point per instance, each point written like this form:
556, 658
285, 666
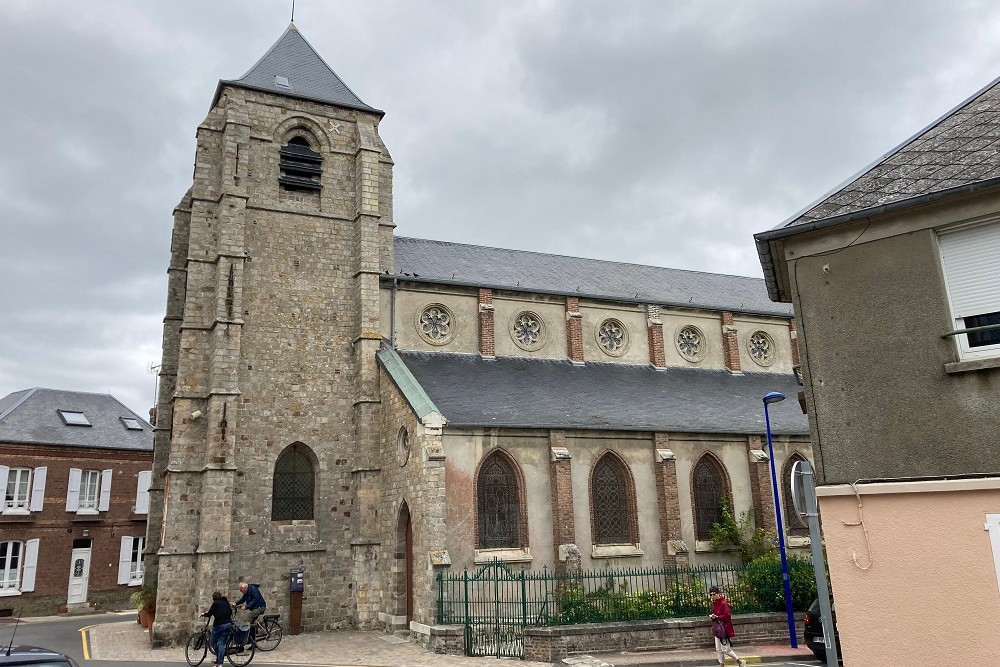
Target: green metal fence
496, 602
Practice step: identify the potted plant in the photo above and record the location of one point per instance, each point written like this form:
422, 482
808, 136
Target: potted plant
144, 599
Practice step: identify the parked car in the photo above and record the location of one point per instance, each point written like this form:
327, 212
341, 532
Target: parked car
812, 632
33, 656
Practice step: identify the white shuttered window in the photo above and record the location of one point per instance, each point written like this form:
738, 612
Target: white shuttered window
970, 257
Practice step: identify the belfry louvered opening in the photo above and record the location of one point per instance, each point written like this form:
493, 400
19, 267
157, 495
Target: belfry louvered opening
301, 166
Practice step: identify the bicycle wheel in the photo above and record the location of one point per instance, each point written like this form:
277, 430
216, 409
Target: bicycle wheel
196, 648
269, 636
239, 654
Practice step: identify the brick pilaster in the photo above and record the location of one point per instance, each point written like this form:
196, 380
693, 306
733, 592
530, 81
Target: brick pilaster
672, 547
487, 340
574, 330
730, 343
654, 327
793, 333
561, 484
760, 483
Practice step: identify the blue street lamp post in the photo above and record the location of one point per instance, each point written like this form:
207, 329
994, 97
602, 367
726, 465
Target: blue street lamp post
775, 397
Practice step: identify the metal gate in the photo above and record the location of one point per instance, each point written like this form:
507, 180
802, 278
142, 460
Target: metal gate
496, 611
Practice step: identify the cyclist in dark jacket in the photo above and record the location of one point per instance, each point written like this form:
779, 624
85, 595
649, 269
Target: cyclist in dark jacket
253, 600
221, 625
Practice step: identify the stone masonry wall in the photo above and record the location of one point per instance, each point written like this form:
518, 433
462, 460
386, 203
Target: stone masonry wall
415, 478
271, 353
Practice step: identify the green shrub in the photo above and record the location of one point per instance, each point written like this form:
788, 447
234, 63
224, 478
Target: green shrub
762, 576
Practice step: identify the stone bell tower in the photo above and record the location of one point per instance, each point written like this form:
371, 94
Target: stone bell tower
268, 381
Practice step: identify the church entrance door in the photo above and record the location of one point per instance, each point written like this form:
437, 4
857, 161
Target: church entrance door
409, 570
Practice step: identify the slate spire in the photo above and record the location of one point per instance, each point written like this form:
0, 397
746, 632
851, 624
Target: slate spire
292, 67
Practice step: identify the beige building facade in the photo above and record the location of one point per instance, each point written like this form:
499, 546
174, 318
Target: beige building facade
375, 409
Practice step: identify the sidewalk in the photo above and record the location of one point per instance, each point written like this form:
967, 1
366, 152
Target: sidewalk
128, 642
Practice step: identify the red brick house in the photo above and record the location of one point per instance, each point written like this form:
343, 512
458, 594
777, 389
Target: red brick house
75, 471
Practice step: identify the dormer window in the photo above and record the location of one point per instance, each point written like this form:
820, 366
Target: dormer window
74, 418
300, 165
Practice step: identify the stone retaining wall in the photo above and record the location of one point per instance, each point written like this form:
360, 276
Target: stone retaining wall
552, 644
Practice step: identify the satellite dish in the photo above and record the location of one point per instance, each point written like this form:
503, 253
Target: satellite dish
802, 485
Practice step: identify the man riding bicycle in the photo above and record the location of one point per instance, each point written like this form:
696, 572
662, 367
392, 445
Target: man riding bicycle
253, 600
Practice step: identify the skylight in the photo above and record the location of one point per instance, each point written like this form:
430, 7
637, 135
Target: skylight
281, 81
131, 423
74, 418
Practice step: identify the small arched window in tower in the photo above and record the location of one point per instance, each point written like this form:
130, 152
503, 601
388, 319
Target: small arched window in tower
292, 493
498, 504
709, 493
301, 166
611, 498
793, 523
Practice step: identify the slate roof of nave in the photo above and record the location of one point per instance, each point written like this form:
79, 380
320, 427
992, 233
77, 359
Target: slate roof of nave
958, 149
517, 392
308, 75
520, 270
32, 416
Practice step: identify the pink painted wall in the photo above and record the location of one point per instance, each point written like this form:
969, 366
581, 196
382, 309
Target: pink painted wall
931, 595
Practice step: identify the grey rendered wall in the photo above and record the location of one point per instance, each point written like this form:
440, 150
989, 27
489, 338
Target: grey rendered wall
881, 404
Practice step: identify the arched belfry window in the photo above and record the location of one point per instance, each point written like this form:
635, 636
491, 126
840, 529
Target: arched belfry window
793, 524
612, 502
294, 481
709, 490
498, 504
301, 166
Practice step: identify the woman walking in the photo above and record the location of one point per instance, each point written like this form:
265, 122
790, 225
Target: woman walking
221, 624
722, 627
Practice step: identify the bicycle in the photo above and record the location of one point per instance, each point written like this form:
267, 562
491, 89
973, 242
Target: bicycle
239, 650
197, 645
267, 632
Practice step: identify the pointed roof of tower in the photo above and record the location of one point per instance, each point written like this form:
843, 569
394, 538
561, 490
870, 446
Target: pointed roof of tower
292, 67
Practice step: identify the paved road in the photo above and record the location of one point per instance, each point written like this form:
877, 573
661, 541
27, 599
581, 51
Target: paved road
116, 640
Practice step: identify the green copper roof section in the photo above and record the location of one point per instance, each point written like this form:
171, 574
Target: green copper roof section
414, 394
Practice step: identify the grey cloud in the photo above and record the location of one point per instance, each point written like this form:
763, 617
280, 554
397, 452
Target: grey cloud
651, 132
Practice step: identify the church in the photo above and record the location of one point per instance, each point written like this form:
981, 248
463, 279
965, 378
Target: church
369, 409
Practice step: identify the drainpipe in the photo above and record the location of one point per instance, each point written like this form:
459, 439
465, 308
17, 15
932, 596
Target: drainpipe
392, 315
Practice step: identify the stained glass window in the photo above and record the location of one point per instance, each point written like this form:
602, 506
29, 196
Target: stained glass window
292, 495
709, 492
498, 505
611, 503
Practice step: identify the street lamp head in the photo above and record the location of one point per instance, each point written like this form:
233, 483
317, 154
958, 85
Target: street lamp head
773, 397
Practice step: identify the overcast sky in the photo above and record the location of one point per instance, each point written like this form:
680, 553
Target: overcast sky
643, 131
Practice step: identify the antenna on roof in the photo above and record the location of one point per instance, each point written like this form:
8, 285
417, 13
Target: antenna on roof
17, 623
293, 11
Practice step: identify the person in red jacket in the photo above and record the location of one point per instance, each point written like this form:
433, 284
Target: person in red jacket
722, 614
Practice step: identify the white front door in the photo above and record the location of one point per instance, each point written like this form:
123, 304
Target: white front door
79, 573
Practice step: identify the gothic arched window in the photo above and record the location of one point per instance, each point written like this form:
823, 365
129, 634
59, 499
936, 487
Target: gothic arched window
301, 166
793, 524
498, 504
292, 493
612, 502
709, 488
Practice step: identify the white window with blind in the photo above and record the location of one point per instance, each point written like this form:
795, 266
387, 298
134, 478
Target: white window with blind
970, 258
